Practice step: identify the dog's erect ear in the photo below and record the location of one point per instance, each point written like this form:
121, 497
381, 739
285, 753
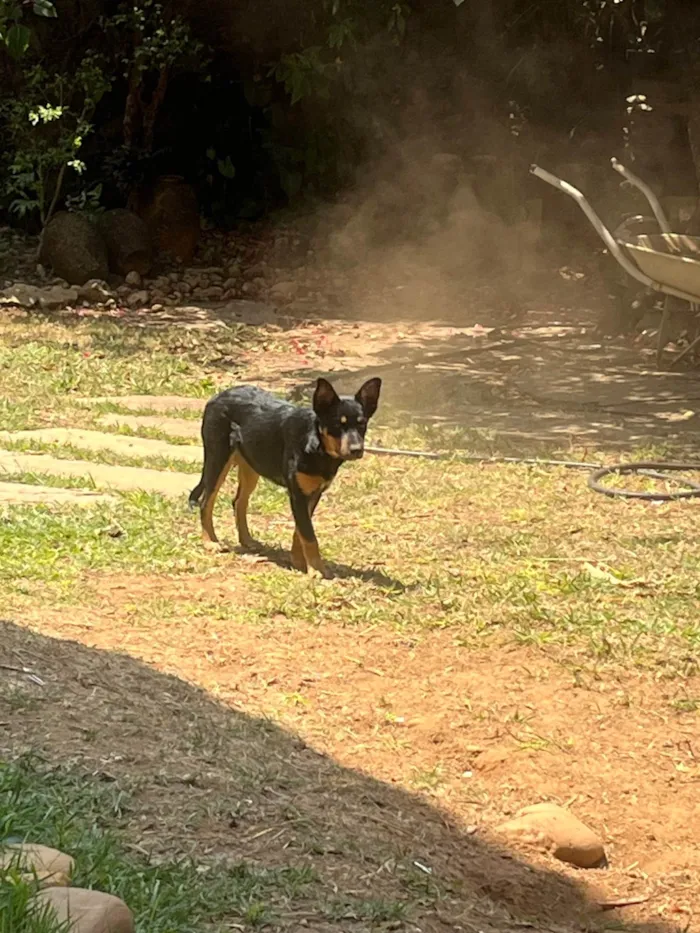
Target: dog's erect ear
368, 396
325, 396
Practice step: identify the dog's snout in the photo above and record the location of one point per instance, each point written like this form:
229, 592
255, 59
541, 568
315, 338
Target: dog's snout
352, 446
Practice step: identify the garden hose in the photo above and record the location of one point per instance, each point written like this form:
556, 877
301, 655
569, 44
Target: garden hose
653, 469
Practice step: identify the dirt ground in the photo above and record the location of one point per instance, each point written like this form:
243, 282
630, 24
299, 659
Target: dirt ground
464, 738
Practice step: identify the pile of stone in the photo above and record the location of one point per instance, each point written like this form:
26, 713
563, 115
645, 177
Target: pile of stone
83, 910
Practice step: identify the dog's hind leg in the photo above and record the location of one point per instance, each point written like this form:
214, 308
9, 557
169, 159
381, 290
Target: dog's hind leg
219, 457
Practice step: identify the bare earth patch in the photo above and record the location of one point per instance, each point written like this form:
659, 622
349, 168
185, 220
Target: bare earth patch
477, 735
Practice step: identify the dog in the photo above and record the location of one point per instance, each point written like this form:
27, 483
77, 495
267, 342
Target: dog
300, 449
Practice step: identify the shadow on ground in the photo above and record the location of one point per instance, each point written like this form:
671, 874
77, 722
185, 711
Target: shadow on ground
547, 380
543, 386
213, 781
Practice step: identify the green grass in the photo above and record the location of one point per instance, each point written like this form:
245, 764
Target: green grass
18, 913
81, 816
108, 457
47, 366
517, 553
141, 533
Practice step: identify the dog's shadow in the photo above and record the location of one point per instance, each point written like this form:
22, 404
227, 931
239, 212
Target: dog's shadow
282, 558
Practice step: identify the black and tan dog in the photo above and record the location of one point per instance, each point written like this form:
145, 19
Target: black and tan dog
299, 448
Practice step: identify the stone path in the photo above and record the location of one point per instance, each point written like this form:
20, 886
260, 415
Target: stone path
100, 478
175, 427
26, 494
96, 441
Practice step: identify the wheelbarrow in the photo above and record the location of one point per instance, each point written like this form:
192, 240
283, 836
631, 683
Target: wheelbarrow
665, 262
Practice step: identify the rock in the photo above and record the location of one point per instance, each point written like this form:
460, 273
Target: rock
171, 213
138, 299
75, 249
31, 296
214, 293
49, 866
95, 291
230, 283
559, 832
128, 242
87, 911
283, 290
491, 758
133, 278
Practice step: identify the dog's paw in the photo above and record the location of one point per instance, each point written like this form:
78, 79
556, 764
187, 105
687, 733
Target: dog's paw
320, 572
217, 547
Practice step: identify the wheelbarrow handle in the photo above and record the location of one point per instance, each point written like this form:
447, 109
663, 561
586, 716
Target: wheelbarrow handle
642, 186
606, 236
600, 228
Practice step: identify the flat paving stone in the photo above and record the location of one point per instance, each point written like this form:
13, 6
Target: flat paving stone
96, 440
27, 494
103, 476
175, 427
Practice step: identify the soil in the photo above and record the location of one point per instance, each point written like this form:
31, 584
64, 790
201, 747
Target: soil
465, 738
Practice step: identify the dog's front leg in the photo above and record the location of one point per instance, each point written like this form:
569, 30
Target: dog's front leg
305, 552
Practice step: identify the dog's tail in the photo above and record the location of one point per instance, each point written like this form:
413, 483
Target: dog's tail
196, 495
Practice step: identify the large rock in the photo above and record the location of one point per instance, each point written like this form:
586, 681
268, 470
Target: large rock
128, 241
557, 830
49, 866
171, 213
87, 911
74, 248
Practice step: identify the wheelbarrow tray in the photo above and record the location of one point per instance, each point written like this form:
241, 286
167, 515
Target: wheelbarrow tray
671, 259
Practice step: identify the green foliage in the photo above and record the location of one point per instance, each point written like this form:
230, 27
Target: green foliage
303, 74
15, 35
150, 39
45, 128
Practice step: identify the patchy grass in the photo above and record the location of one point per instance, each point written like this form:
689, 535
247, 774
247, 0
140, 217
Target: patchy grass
77, 814
518, 552
46, 365
514, 552
56, 547
63, 451
506, 552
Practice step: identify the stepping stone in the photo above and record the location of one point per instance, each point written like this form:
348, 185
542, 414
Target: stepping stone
27, 494
83, 911
160, 403
117, 443
175, 427
48, 866
115, 477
